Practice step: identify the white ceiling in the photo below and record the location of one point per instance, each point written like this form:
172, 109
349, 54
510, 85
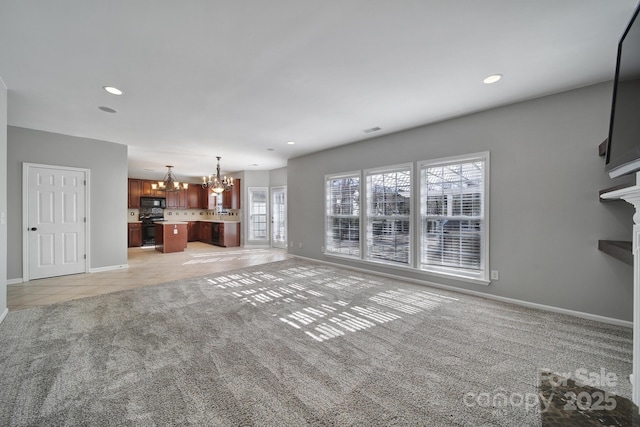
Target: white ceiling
241, 78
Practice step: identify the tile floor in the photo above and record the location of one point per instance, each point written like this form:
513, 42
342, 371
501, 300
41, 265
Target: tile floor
146, 267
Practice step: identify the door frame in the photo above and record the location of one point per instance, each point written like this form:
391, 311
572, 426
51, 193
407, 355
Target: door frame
25, 213
271, 191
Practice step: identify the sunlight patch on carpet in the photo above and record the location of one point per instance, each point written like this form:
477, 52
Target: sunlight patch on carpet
326, 318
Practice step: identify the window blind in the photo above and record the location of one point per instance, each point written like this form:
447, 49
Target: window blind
452, 229
343, 216
389, 215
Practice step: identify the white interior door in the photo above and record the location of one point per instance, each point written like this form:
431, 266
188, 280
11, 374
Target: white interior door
56, 221
279, 217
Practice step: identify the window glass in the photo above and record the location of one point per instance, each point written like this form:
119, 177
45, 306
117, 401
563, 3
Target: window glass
452, 217
389, 216
343, 216
258, 214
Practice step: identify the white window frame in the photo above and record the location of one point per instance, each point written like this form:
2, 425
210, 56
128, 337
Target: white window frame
251, 232
366, 216
327, 215
481, 276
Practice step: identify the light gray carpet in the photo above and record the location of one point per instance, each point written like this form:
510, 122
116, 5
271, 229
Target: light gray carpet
293, 343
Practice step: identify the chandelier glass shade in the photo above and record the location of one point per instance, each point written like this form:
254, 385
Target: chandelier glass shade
217, 184
170, 183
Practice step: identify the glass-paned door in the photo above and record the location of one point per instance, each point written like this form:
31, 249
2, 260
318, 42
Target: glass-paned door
258, 200
279, 217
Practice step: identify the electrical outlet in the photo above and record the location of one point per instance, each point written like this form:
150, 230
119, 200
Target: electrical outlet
495, 275
322, 249
300, 245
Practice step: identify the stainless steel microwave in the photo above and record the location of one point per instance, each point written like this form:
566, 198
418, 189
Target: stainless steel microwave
153, 202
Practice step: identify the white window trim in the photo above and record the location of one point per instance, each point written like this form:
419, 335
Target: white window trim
413, 266
481, 277
364, 218
325, 216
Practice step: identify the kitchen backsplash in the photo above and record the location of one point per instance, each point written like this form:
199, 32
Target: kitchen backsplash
191, 214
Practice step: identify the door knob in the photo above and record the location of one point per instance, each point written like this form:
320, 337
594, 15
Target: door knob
33, 228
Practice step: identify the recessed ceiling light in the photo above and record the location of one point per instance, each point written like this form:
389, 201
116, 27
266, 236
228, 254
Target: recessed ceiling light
253, 164
291, 142
492, 78
112, 90
107, 109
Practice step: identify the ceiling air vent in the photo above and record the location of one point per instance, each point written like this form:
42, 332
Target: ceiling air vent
371, 130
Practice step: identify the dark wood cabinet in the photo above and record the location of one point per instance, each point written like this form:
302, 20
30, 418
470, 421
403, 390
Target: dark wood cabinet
205, 232
141, 188
225, 234
171, 236
176, 199
147, 190
207, 199
193, 196
182, 199
231, 199
135, 234
135, 191
172, 199
193, 231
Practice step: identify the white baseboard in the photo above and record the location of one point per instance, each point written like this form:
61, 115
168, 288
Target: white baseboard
583, 315
4, 314
91, 270
108, 268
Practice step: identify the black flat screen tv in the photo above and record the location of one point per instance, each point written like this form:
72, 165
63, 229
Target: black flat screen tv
623, 147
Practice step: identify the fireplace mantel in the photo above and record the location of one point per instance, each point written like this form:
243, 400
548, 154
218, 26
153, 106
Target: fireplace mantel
632, 195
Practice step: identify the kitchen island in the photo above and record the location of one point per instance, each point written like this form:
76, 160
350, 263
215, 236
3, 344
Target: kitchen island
171, 236
220, 232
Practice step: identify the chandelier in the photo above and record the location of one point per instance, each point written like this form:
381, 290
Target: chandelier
169, 183
216, 184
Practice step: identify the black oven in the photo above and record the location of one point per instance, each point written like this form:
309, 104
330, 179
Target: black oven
148, 217
148, 233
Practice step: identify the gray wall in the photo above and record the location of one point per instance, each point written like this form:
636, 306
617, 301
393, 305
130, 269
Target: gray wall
3, 197
108, 190
278, 177
545, 216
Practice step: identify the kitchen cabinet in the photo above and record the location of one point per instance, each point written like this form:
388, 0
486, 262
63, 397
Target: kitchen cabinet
147, 190
171, 236
193, 231
207, 199
176, 199
225, 234
193, 196
231, 198
205, 232
135, 234
135, 191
